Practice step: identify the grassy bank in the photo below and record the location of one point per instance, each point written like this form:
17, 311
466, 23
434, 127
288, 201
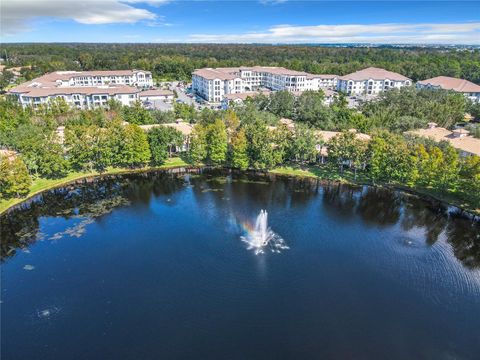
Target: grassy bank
348, 177
40, 184
318, 172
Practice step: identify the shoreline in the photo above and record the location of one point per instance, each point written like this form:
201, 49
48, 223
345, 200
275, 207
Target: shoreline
179, 166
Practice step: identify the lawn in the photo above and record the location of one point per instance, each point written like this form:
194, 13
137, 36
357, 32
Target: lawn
41, 184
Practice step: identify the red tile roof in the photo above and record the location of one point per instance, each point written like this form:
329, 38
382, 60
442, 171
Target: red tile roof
450, 83
374, 74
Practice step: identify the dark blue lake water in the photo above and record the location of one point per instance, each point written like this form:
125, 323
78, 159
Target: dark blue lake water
153, 267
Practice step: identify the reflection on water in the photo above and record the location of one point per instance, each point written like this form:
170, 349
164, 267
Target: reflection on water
152, 265
374, 206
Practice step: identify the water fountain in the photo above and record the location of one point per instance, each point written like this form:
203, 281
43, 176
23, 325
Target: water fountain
261, 236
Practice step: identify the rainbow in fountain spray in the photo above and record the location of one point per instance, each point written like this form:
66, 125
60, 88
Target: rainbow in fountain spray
260, 237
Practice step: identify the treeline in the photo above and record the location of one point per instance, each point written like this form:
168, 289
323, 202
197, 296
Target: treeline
96, 140
396, 110
177, 61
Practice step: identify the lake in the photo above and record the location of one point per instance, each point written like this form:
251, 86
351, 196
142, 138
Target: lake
158, 266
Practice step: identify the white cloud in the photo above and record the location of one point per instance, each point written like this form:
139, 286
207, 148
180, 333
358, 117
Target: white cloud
17, 15
461, 33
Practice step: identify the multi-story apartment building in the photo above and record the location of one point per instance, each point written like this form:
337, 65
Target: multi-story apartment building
84, 90
213, 84
371, 81
465, 87
137, 78
325, 81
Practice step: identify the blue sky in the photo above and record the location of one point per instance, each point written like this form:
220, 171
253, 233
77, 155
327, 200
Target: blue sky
251, 21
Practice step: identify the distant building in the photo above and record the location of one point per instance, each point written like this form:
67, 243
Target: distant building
325, 81
83, 89
459, 138
229, 99
156, 94
371, 81
213, 84
467, 88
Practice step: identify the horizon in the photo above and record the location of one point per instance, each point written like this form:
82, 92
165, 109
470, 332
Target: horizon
263, 22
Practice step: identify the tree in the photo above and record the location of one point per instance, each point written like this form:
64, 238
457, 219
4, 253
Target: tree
282, 139
259, 145
162, 140
469, 179
198, 144
14, 177
238, 150
89, 147
217, 144
41, 150
304, 144
137, 114
282, 103
389, 158
136, 151
184, 111
311, 109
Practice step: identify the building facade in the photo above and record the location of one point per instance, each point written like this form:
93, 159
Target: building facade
371, 81
83, 90
214, 84
469, 89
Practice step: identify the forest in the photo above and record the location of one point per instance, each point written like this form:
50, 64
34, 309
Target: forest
177, 61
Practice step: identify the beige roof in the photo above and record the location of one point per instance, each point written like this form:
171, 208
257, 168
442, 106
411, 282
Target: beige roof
374, 74
211, 74
156, 92
468, 144
52, 79
234, 72
183, 127
450, 83
85, 90
321, 76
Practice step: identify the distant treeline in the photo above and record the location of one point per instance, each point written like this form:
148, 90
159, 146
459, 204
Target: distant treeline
177, 61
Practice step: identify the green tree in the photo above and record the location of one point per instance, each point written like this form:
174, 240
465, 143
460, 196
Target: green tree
239, 156
89, 147
311, 109
259, 145
184, 112
389, 158
217, 144
162, 140
304, 144
14, 177
281, 103
137, 114
41, 150
136, 151
469, 179
198, 144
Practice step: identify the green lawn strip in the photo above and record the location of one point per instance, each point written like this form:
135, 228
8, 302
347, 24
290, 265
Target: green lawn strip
348, 177
320, 172
41, 184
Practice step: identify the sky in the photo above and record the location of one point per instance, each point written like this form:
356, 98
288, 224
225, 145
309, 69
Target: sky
251, 21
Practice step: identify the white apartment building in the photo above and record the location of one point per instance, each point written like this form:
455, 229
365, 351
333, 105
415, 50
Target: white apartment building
371, 81
80, 97
213, 84
84, 90
325, 81
137, 78
469, 89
